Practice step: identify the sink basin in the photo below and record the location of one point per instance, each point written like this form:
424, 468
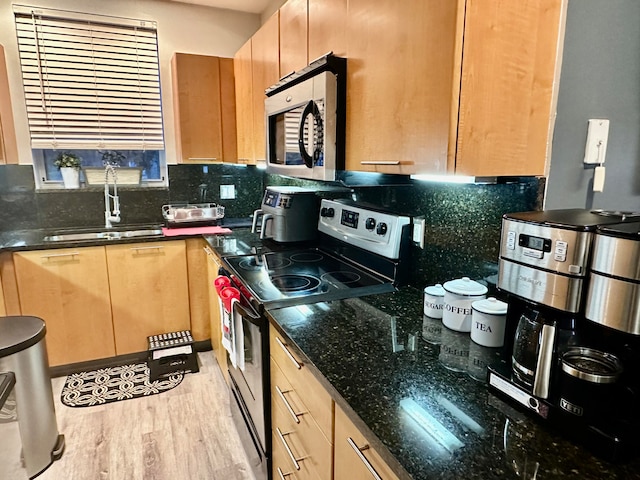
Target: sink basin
109, 235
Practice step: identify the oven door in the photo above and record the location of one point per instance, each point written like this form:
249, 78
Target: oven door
248, 381
301, 133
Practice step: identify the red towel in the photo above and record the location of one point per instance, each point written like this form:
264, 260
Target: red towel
209, 230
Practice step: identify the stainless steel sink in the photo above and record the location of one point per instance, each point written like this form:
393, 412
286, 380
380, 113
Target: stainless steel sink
109, 235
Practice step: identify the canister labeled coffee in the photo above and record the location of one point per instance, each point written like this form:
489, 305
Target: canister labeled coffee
459, 295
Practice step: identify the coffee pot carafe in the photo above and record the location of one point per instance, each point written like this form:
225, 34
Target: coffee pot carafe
541, 336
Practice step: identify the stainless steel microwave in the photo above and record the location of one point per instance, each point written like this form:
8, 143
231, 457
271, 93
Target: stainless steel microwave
305, 119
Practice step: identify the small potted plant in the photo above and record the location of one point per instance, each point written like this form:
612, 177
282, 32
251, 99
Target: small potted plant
69, 165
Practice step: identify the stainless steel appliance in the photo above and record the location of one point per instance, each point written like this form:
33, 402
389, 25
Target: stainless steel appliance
361, 250
287, 214
545, 260
305, 118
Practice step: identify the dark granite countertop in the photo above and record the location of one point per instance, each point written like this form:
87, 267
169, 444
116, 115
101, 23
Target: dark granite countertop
373, 356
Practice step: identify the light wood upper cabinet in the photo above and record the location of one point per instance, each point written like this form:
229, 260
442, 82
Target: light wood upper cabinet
351, 464
68, 289
8, 144
293, 36
327, 28
149, 291
507, 91
257, 67
204, 108
244, 103
265, 71
400, 83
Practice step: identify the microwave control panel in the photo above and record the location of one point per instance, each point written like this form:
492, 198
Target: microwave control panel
370, 229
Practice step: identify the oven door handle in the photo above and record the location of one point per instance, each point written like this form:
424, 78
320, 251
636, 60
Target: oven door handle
238, 309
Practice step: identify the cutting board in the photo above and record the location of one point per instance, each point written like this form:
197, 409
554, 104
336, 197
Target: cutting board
208, 230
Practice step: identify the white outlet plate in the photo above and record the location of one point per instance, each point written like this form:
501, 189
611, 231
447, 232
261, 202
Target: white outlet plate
227, 192
597, 136
418, 231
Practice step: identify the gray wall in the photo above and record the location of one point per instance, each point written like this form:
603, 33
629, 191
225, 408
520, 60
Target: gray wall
600, 78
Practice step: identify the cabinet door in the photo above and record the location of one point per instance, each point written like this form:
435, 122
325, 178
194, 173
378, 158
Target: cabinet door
8, 144
149, 291
400, 84
507, 97
228, 110
327, 28
69, 289
265, 71
197, 94
220, 354
244, 103
198, 289
353, 456
293, 36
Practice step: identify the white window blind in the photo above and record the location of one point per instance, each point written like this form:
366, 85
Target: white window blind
91, 82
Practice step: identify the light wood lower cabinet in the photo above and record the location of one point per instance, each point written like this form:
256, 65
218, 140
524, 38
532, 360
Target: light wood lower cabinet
69, 289
354, 458
302, 418
199, 291
213, 265
149, 291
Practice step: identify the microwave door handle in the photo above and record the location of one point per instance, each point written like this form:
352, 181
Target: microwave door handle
310, 109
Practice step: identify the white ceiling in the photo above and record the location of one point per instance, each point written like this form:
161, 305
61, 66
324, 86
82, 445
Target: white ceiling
251, 6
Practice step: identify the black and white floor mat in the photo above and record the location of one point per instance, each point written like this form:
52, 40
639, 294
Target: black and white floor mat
105, 385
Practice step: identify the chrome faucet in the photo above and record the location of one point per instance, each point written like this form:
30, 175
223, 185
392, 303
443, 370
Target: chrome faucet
110, 216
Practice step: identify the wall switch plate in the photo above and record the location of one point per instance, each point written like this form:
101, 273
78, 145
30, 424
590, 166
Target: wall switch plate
597, 136
227, 192
419, 224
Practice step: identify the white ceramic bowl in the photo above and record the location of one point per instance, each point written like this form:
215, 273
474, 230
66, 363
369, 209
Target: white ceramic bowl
459, 295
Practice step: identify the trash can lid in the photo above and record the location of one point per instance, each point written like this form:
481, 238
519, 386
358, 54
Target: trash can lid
18, 333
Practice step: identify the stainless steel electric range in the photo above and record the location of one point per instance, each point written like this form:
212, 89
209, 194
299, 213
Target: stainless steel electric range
361, 250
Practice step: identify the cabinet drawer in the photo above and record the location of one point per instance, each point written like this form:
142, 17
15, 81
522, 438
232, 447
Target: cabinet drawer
311, 393
356, 465
305, 442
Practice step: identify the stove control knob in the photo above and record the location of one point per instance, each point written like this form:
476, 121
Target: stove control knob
370, 223
327, 212
382, 228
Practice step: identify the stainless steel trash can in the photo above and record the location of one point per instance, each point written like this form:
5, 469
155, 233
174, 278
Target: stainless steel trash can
23, 351
10, 445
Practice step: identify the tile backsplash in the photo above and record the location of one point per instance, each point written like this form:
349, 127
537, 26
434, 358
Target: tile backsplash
462, 221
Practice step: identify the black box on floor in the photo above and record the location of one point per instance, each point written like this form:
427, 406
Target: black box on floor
170, 353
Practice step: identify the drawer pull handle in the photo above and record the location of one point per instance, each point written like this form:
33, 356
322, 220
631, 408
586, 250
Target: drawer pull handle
282, 475
155, 247
288, 449
379, 162
59, 255
293, 414
286, 350
364, 460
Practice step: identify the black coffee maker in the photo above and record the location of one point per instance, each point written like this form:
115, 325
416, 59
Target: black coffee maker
555, 365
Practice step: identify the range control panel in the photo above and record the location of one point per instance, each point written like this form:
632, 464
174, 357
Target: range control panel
371, 229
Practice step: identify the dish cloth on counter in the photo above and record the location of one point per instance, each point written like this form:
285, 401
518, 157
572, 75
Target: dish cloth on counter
208, 230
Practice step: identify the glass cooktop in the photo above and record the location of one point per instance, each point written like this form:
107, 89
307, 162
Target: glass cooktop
278, 279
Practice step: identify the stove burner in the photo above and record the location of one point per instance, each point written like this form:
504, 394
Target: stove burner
341, 277
276, 261
307, 257
295, 283
249, 264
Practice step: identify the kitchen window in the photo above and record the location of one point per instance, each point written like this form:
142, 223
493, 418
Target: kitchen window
92, 85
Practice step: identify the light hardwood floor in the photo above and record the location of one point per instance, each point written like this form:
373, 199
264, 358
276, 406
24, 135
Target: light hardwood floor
185, 433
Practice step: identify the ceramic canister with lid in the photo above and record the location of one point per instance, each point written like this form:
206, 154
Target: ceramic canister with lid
458, 297
434, 301
488, 321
